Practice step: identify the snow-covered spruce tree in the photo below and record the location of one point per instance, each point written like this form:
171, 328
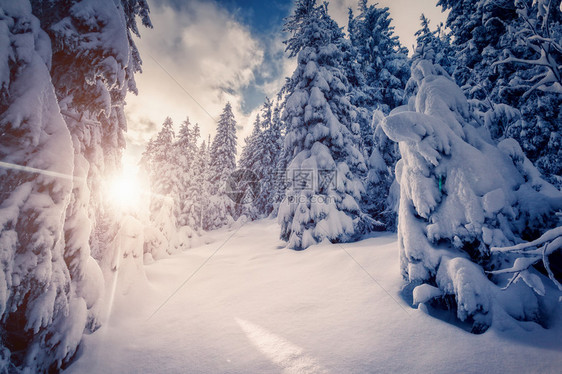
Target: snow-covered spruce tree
182, 158
359, 93
250, 151
383, 60
268, 169
280, 175
158, 163
537, 55
435, 45
377, 73
93, 67
479, 32
202, 180
194, 191
43, 303
260, 156
221, 209
186, 190
322, 138
201, 186
250, 159
460, 194
381, 198
485, 33
159, 158
478, 29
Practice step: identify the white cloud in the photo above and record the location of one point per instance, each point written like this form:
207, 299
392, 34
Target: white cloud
204, 49
285, 67
194, 61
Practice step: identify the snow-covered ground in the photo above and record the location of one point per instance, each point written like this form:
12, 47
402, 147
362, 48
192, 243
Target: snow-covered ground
256, 307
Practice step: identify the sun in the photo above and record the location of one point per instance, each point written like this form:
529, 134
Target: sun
125, 190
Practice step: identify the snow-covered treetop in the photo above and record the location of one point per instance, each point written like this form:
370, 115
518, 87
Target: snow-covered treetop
310, 26
97, 36
382, 59
223, 148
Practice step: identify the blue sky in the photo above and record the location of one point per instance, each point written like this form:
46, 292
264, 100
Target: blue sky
265, 21
262, 16
203, 53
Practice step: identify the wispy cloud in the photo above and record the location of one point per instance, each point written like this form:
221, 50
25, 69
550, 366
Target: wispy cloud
208, 50
201, 48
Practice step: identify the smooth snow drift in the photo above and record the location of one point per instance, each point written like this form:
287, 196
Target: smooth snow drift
256, 307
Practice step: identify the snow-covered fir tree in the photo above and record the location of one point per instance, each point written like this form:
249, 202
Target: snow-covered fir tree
44, 300
221, 209
322, 139
280, 180
377, 72
159, 160
477, 28
203, 179
185, 157
90, 59
461, 194
93, 68
434, 45
380, 200
158, 163
269, 172
260, 156
223, 149
249, 151
172, 165
507, 95
359, 93
93, 65
536, 54
381, 57
200, 186
250, 159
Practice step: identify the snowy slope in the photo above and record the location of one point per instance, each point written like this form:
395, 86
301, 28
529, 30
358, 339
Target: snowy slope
258, 308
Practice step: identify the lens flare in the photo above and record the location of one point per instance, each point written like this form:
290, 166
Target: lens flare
125, 191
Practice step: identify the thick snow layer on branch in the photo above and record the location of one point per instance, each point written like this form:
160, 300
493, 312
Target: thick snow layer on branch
38, 298
322, 137
460, 194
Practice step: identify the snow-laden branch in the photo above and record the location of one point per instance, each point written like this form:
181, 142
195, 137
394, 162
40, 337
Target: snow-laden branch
530, 254
548, 236
538, 38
